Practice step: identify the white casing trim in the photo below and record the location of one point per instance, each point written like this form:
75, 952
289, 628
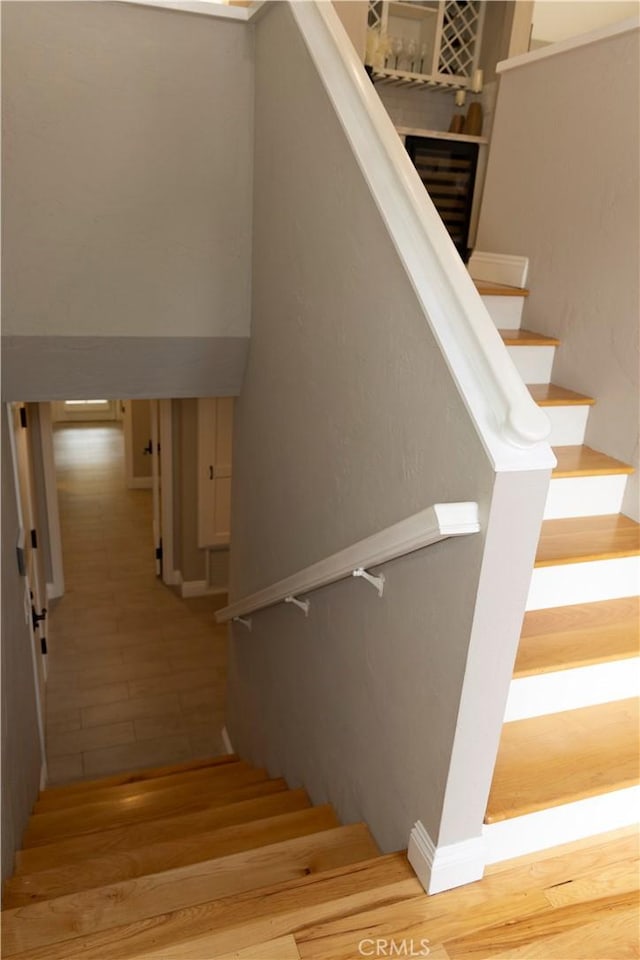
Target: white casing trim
569, 583
511, 427
226, 739
533, 363
54, 588
422, 529
506, 312
557, 825
547, 693
568, 424
585, 496
499, 268
571, 43
442, 868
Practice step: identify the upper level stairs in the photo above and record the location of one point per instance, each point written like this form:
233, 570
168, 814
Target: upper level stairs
568, 764
107, 873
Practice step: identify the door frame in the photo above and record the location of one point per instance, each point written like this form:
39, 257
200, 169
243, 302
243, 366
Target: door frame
22, 548
55, 588
170, 575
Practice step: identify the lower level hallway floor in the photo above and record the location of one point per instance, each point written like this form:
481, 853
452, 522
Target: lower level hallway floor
136, 674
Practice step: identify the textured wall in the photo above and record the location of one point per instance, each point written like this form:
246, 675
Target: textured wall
127, 136
20, 743
562, 189
349, 421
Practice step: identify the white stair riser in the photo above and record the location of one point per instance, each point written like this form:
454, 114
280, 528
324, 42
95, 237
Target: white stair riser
506, 312
569, 583
556, 825
571, 689
533, 363
585, 496
568, 424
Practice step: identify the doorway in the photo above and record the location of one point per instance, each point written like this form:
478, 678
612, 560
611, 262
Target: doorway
136, 671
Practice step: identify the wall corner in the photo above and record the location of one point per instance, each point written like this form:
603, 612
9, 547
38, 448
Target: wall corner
441, 868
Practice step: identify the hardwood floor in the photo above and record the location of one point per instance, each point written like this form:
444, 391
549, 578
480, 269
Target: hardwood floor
276, 879
136, 674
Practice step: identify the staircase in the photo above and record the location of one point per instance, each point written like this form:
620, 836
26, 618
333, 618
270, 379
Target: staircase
568, 760
211, 860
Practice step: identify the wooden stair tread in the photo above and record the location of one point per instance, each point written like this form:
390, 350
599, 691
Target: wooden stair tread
561, 638
44, 828
148, 773
158, 857
206, 777
551, 395
581, 539
487, 288
90, 911
75, 850
582, 461
527, 338
222, 926
559, 758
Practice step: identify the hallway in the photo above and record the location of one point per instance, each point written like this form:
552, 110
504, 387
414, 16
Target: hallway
136, 674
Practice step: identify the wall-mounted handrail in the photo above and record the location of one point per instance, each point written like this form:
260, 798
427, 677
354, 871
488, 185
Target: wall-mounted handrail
438, 522
509, 423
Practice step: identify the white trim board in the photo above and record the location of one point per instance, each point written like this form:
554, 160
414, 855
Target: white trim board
499, 268
571, 43
558, 825
572, 689
585, 496
569, 583
226, 740
206, 8
445, 867
55, 588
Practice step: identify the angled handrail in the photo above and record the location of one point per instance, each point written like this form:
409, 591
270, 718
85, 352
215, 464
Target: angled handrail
436, 523
511, 426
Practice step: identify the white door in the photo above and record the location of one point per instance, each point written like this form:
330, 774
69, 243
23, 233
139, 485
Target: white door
215, 445
31, 561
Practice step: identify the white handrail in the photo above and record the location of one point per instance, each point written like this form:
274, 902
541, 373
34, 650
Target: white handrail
500, 405
438, 522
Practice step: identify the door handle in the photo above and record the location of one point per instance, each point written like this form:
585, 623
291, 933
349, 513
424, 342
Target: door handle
36, 618
211, 474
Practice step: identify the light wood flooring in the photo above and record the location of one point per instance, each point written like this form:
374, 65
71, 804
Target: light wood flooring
244, 868
136, 674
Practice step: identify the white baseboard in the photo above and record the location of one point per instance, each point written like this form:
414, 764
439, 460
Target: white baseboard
442, 868
55, 590
228, 746
499, 268
139, 483
200, 588
557, 825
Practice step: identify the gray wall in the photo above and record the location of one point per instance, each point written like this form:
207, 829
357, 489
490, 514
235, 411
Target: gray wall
349, 421
562, 189
127, 198
20, 743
